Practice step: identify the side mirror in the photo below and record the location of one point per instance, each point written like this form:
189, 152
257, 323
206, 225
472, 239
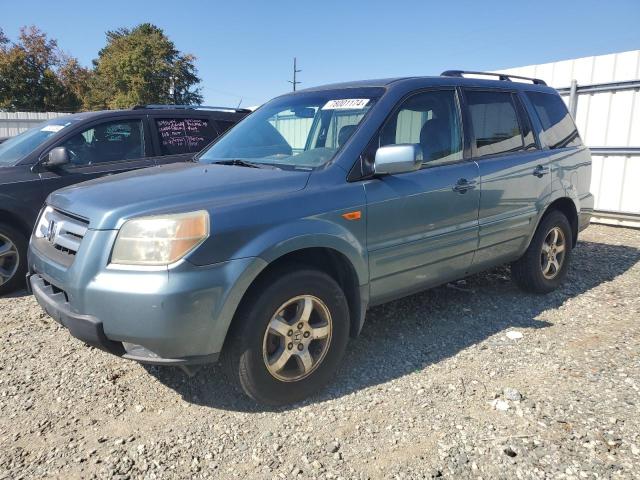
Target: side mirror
57, 157
401, 158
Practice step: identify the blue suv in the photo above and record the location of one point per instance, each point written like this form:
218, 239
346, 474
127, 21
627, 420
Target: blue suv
267, 252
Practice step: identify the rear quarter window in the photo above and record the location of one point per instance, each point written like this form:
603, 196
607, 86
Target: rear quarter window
559, 130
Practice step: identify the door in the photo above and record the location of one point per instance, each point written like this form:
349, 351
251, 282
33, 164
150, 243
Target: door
178, 138
99, 149
514, 174
422, 227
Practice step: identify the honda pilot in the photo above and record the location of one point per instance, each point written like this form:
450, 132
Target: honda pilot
267, 252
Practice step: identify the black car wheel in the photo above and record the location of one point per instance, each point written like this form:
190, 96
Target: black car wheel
288, 337
13, 259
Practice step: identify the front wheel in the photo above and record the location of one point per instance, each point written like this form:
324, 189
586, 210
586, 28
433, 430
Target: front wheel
544, 265
288, 337
13, 259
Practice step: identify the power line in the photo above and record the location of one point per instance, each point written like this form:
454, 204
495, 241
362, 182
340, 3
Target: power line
295, 71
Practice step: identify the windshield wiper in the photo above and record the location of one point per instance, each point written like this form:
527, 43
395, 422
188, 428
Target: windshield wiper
244, 163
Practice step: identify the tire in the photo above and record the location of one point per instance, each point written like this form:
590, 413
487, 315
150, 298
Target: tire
251, 346
534, 271
13, 259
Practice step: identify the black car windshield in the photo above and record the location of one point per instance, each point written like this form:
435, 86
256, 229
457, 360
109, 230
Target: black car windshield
303, 130
15, 149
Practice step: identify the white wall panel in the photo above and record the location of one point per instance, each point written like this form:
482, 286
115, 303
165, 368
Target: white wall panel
630, 197
13, 123
595, 132
612, 174
619, 118
634, 128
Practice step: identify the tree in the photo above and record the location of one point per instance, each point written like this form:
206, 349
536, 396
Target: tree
29, 74
140, 66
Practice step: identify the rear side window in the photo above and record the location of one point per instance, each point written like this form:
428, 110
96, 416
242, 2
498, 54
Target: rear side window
558, 128
495, 122
184, 135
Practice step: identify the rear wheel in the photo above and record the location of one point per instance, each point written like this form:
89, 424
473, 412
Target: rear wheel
544, 265
289, 336
13, 259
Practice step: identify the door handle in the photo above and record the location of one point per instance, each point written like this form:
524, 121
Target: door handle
541, 171
463, 185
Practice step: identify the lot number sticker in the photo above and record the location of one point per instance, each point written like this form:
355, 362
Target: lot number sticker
52, 128
346, 104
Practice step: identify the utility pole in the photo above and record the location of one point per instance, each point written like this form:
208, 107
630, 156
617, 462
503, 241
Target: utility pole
295, 71
172, 88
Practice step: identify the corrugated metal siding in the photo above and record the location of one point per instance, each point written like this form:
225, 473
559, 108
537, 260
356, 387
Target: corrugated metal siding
293, 129
609, 119
13, 123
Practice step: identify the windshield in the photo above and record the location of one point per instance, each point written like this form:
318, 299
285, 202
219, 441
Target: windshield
295, 131
15, 149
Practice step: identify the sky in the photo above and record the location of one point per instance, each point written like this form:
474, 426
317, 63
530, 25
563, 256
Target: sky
245, 48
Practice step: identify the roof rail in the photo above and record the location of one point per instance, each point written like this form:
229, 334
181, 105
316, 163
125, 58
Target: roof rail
190, 107
501, 76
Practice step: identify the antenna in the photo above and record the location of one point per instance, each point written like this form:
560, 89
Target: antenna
295, 71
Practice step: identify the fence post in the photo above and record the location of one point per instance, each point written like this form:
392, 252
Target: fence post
573, 98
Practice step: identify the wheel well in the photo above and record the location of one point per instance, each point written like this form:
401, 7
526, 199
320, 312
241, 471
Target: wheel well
329, 261
15, 221
566, 206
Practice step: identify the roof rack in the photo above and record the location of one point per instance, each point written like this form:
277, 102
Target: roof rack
501, 76
190, 107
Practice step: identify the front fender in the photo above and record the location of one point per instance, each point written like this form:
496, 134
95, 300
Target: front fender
311, 233
16, 212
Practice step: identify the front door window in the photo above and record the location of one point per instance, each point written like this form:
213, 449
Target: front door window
107, 142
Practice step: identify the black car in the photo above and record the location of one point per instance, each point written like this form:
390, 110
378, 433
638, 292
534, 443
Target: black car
79, 147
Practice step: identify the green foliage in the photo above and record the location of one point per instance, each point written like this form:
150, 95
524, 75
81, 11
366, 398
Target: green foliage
139, 66
30, 74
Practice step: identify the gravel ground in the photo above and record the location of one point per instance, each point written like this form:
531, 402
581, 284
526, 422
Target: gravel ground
471, 380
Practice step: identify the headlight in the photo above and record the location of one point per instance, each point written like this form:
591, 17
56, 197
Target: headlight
160, 240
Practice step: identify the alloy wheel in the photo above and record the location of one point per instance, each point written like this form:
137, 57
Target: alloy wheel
9, 259
553, 253
297, 338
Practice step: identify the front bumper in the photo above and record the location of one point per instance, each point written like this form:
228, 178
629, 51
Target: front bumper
84, 327
172, 317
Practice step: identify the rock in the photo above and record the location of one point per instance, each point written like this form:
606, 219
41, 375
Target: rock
512, 394
500, 405
514, 335
510, 452
333, 447
139, 408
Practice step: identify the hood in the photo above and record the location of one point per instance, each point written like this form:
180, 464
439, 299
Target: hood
176, 187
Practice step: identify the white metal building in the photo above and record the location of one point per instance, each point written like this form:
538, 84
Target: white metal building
13, 123
603, 95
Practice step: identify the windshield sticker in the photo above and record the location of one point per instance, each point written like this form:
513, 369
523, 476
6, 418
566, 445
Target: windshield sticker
52, 128
346, 104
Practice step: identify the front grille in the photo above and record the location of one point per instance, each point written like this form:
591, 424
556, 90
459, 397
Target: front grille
62, 231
